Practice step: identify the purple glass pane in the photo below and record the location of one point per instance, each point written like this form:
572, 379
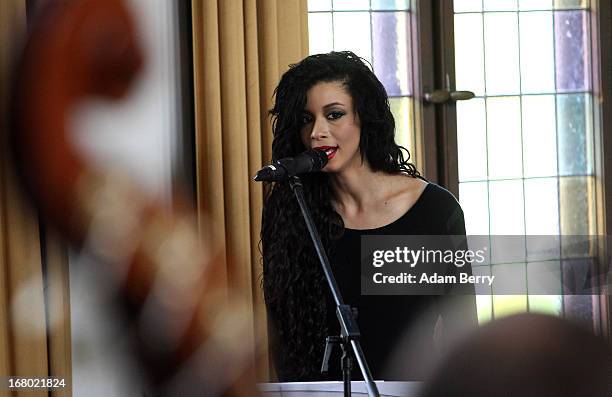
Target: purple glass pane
391, 51
572, 51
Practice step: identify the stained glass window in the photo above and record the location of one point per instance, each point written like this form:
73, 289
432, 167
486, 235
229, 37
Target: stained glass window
380, 32
525, 142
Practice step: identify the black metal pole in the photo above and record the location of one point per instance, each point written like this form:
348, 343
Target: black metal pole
348, 325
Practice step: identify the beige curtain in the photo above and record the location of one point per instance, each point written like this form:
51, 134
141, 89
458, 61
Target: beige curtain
34, 302
241, 48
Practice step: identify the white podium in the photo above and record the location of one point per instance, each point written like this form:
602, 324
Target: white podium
335, 389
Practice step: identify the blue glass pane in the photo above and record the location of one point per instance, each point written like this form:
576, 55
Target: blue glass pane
574, 134
572, 51
390, 4
391, 46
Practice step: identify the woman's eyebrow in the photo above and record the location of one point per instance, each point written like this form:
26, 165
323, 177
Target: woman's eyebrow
332, 104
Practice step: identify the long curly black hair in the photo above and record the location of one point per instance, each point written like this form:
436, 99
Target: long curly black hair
295, 290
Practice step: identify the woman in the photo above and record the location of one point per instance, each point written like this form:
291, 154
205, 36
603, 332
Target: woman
335, 103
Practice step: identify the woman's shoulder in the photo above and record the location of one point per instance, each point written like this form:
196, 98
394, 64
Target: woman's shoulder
440, 197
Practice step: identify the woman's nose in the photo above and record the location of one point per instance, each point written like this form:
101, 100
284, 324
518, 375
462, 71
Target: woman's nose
319, 129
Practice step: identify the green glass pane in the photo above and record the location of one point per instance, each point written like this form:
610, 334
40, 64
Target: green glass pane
467, 5
539, 135
474, 200
390, 4
541, 207
351, 5
352, 32
504, 137
571, 4
499, 5
472, 140
501, 53
320, 38
544, 278
469, 53
319, 5
525, 5
546, 304
404, 132
577, 205
575, 134
506, 207
537, 52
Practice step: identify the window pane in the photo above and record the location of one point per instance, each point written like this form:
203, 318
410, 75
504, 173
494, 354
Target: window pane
576, 198
575, 131
535, 4
320, 39
319, 5
510, 278
539, 135
506, 203
504, 137
541, 207
391, 43
506, 305
469, 53
474, 200
390, 4
537, 55
499, 5
352, 32
544, 278
546, 304
467, 5
565, 4
351, 5
484, 307
472, 140
501, 53
402, 113
572, 51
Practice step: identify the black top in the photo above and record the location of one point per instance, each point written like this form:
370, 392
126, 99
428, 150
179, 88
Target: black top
383, 320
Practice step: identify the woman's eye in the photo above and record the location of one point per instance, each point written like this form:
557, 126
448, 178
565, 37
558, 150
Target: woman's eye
306, 119
335, 115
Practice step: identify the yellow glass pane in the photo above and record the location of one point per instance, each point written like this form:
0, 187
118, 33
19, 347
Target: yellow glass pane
571, 4
505, 305
404, 131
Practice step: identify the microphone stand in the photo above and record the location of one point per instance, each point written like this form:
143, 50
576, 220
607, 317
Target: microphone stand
349, 331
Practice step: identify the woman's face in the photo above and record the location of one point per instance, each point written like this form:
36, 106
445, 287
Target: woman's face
331, 124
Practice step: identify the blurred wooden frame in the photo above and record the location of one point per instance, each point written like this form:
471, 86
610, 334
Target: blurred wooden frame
35, 302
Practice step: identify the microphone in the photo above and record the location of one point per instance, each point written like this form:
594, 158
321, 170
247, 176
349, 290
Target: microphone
309, 161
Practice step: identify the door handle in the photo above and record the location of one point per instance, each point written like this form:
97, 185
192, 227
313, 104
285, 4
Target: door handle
443, 96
